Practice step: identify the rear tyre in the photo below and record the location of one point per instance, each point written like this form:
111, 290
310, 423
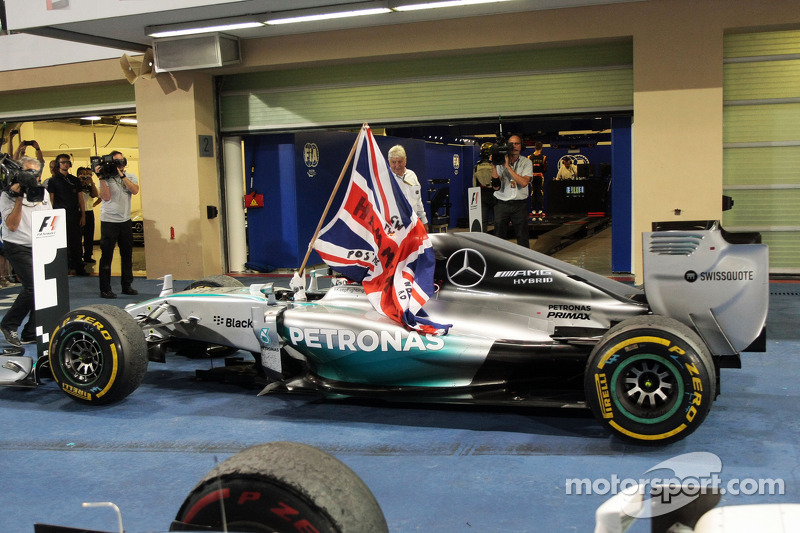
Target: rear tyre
650, 379
98, 354
281, 486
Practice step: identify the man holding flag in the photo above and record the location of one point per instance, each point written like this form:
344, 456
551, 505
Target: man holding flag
378, 240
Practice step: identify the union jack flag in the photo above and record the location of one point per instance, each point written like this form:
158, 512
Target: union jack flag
378, 240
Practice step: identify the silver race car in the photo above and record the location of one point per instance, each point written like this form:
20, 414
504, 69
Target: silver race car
527, 329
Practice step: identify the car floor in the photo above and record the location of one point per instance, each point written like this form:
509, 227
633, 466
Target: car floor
432, 469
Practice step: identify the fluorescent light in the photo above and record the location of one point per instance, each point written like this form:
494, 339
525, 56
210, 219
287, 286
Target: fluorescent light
92, 118
206, 26
327, 16
128, 120
447, 3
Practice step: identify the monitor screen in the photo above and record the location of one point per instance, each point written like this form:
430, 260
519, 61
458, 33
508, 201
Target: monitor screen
584, 170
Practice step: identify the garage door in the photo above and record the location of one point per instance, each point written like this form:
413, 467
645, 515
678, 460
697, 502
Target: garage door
762, 140
56, 103
588, 78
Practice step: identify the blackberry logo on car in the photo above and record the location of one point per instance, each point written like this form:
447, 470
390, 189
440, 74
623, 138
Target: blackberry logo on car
466, 268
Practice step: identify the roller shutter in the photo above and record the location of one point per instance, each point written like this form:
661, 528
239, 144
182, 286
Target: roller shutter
589, 78
72, 101
762, 140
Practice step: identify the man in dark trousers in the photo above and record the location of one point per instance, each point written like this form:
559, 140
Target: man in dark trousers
65, 193
115, 224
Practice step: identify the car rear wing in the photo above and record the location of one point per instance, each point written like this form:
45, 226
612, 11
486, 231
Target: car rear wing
714, 281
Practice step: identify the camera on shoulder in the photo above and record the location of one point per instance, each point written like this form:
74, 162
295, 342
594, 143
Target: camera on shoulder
499, 151
108, 165
28, 180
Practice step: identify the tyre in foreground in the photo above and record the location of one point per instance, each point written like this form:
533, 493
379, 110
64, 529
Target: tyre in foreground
281, 486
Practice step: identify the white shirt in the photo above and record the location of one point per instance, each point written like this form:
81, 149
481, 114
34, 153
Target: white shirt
24, 233
565, 173
522, 166
118, 206
412, 190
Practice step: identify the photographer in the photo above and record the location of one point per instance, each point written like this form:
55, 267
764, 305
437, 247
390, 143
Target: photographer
23, 145
510, 181
17, 204
116, 189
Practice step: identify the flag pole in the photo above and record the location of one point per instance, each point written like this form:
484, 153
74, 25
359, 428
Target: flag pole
330, 200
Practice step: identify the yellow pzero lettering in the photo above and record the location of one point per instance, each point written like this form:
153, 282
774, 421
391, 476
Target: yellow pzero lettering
690, 414
603, 395
697, 384
677, 350
692, 369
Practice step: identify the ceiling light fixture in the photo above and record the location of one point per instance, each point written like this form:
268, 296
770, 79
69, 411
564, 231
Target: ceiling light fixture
203, 26
333, 12
93, 118
128, 120
446, 3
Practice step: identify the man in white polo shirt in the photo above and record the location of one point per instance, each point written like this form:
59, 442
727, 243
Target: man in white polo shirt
514, 176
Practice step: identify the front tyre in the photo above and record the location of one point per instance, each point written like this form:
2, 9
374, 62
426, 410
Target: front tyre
650, 379
281, 487
98, 354
220, 280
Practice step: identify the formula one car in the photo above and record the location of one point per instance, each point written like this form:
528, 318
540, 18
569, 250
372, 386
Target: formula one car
527, 329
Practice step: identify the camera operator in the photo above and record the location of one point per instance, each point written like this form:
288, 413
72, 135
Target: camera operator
65, 193
510, 182
116, 189
17, 204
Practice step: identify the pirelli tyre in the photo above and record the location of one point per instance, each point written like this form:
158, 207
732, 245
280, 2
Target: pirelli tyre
650, 379
281, 486
98, 354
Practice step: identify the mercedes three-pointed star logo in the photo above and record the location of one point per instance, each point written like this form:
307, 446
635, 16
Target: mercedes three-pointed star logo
466, 268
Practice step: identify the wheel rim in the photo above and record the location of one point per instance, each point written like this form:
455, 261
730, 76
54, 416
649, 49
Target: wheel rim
648, 388
82, 358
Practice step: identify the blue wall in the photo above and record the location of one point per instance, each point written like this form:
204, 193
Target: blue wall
296, 187
622, 195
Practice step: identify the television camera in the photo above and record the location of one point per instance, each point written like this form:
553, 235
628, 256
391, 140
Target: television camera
108, 165
12, 173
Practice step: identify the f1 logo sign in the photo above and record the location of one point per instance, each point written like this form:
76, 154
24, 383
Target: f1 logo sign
50, 282
48, 222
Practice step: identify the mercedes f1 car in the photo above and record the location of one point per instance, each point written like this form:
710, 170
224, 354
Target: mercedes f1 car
527, 329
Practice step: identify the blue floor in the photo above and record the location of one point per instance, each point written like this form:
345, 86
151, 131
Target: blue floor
431, 469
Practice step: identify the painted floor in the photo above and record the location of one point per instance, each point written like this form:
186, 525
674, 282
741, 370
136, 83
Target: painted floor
454, 469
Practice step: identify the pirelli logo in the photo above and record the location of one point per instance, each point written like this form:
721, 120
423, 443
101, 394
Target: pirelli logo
69, 389
603, 395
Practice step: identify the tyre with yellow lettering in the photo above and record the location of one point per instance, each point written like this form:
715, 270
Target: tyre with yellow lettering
650, 379
281, 487
98, 354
